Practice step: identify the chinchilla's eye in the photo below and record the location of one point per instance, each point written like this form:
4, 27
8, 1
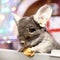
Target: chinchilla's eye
32, 29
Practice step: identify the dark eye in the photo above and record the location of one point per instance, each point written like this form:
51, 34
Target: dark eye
32, 29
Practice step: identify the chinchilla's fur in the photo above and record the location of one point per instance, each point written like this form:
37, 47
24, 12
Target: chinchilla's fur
34, 36
32, 32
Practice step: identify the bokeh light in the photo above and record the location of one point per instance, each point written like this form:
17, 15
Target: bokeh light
6, 18
4, 1
13, 8
5, 10
2, 17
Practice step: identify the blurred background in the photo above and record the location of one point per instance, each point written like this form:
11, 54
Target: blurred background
8, 38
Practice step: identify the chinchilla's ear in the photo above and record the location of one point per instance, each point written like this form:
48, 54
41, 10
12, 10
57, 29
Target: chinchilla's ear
16, 17
42, 15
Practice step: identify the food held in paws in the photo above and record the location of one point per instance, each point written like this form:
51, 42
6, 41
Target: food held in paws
29, 52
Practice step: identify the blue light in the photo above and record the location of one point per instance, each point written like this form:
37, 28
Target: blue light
4, 1
7, 26
5, 10
3, 31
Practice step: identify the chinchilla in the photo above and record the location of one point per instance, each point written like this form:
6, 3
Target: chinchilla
33, 33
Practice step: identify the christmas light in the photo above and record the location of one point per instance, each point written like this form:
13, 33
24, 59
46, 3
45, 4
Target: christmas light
9, 41
2, 17
5, 10
13, 9
4, 1
6, 18
1, 31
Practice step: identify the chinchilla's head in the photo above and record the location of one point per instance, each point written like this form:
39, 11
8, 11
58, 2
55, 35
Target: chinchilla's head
30, 28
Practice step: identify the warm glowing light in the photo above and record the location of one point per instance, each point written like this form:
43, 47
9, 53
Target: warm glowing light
2, 17
13, 8
9, 41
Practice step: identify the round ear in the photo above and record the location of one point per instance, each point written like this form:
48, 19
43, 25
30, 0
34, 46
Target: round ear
42, 15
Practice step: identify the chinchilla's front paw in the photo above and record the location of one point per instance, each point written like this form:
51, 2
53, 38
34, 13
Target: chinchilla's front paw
28, 52
21, 49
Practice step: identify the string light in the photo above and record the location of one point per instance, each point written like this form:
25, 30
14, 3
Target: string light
2, 17
13, 8
1, 31
4, 1
5, 10
7, 7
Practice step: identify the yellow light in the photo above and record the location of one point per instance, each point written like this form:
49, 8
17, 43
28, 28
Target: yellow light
2, 17
13, 8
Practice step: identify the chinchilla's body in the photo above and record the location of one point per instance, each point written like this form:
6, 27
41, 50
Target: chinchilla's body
32, 32
34, 36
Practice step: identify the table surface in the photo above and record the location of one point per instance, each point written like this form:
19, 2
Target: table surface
6, 54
